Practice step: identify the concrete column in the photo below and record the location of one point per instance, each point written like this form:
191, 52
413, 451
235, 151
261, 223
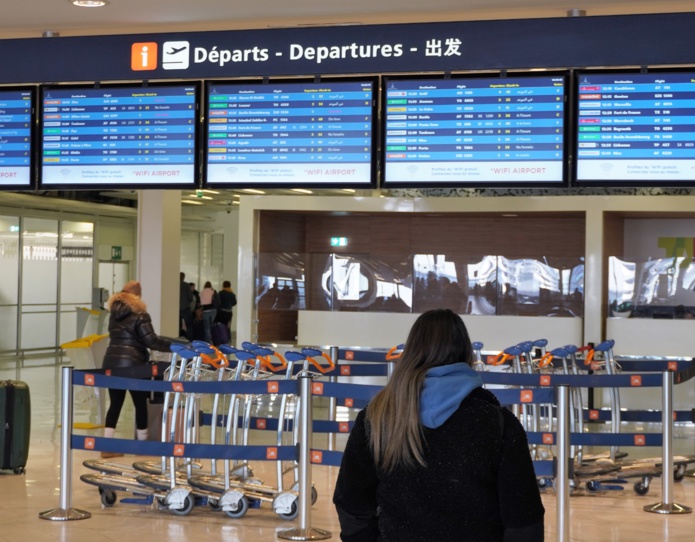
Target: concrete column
158, 256
593, 275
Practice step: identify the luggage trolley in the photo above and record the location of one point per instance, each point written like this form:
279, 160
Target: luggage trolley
239, 494
176, 497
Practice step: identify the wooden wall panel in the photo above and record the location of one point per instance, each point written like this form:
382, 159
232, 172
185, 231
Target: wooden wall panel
281, 232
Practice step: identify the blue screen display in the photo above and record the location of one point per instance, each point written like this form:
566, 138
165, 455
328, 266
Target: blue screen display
15, 138
119, 136
290, 134
636, 128
475, 131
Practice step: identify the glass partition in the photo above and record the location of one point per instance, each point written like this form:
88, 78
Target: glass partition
9, 271
655, 288
477, 285
76, 267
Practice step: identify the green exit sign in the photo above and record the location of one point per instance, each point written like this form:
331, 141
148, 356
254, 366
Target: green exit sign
339, 241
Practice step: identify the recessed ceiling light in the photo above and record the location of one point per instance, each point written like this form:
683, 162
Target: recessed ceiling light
191, 202
509, 215
89, 3
348, 190
211, 192
301, 190
252, 191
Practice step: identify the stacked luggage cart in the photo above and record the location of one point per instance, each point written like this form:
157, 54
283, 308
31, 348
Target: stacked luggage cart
178, 484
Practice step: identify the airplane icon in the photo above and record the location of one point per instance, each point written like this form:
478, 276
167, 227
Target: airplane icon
175, 55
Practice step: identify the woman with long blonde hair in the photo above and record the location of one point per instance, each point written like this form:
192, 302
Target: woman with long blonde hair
434, 456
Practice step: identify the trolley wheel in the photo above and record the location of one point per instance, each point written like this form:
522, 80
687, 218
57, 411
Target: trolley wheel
641, 488
592, 486
188, 504
214, 505
108, 497
293, 513
544, 483
679, 473
242, 508
314, 495
19, 470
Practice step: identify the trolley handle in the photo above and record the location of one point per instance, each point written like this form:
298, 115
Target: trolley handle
394, 353
266, 355
312, 353
217, 359
501, 359
546, 359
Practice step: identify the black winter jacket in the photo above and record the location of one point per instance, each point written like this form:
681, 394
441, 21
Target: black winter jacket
130, 333
478, 486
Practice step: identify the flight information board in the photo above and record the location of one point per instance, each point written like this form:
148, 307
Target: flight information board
119, 136
286, 134
475, 131
15, 138
636, 128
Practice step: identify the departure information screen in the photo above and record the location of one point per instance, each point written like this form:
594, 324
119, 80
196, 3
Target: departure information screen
298, 134
15, 138
475, 131
636, 128
141, 136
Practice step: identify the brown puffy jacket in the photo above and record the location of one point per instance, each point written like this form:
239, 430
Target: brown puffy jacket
130, 333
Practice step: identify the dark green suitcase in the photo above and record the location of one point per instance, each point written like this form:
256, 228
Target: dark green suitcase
15, 414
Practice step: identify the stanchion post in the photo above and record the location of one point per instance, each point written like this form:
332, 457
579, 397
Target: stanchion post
332, 401
667, 506
562, 489
65, 512
305, 531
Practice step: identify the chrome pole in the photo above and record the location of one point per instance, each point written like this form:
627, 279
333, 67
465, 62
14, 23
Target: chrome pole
305, 531
667, 506
563, 455
332, 401
64, 512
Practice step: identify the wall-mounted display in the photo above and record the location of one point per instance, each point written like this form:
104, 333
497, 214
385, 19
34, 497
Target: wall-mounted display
119, 136
635, 128
475, 131
16, 114
291, 134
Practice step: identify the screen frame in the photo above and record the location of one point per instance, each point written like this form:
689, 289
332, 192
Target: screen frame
373, 169
501, 75
614, 183
192, 185
33, 142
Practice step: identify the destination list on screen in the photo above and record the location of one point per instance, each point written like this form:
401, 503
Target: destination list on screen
467, 131
129, 136
636, 127
290, 133
15, 138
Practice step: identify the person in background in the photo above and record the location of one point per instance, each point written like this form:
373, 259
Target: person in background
227, 304
185, 313
434, 456
208, 302
131, 335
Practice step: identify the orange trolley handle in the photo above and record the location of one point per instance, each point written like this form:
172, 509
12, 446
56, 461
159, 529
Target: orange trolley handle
394, 353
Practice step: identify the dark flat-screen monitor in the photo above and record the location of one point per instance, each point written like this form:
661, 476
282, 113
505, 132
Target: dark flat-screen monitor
291, 134
635, 129
475, 131
16, 135
119, 136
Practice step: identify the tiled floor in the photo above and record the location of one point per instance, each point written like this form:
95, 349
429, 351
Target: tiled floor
613, 516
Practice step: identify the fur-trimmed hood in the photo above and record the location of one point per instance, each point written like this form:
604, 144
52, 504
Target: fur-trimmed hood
123, 304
